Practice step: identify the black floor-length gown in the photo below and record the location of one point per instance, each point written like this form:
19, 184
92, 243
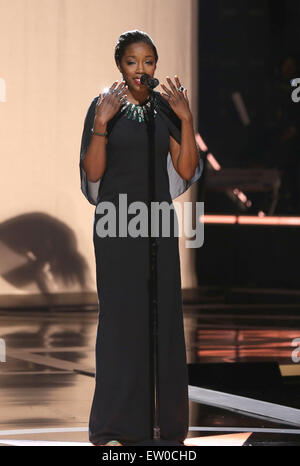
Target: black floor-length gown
121, 407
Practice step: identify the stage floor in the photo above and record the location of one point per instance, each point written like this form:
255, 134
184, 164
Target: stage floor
47, 377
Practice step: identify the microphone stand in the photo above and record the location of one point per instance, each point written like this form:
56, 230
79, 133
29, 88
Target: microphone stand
153, 302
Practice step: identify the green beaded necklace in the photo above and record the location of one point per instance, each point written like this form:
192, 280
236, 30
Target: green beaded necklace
138, 112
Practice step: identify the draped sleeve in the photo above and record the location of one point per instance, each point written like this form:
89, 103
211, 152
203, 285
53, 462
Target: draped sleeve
90, 189
178, 185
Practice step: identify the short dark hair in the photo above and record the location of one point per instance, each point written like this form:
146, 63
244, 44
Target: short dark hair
132, 37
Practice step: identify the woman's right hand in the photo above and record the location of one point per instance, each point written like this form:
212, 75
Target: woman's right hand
109, 104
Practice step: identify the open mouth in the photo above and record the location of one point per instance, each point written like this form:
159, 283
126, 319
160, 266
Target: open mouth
137, 81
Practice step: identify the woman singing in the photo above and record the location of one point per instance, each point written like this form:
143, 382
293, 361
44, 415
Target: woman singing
114, 161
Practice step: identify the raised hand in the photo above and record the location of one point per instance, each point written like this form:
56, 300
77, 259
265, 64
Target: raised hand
177, 100
109, 104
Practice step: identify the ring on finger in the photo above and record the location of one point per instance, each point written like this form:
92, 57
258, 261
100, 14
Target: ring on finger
167, 94
120, 91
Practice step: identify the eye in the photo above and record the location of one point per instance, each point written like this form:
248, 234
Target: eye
132, 62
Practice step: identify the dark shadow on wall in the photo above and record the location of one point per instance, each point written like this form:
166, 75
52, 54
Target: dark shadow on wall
38, 248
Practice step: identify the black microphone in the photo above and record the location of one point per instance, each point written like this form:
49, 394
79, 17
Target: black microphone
148, 81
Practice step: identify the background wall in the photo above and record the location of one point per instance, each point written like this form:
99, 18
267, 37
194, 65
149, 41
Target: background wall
56, 56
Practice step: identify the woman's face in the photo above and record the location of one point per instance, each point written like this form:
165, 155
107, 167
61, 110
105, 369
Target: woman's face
137, 60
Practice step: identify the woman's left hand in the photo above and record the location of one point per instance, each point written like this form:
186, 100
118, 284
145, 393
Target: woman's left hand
178, 100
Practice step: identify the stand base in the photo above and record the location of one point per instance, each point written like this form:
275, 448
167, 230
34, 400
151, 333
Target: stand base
156, 443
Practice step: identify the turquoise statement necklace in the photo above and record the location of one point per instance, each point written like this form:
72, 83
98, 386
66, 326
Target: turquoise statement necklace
138, 112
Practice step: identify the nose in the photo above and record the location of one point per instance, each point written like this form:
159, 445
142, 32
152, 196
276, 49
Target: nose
140, 70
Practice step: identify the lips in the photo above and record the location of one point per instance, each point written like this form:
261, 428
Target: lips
137, 81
